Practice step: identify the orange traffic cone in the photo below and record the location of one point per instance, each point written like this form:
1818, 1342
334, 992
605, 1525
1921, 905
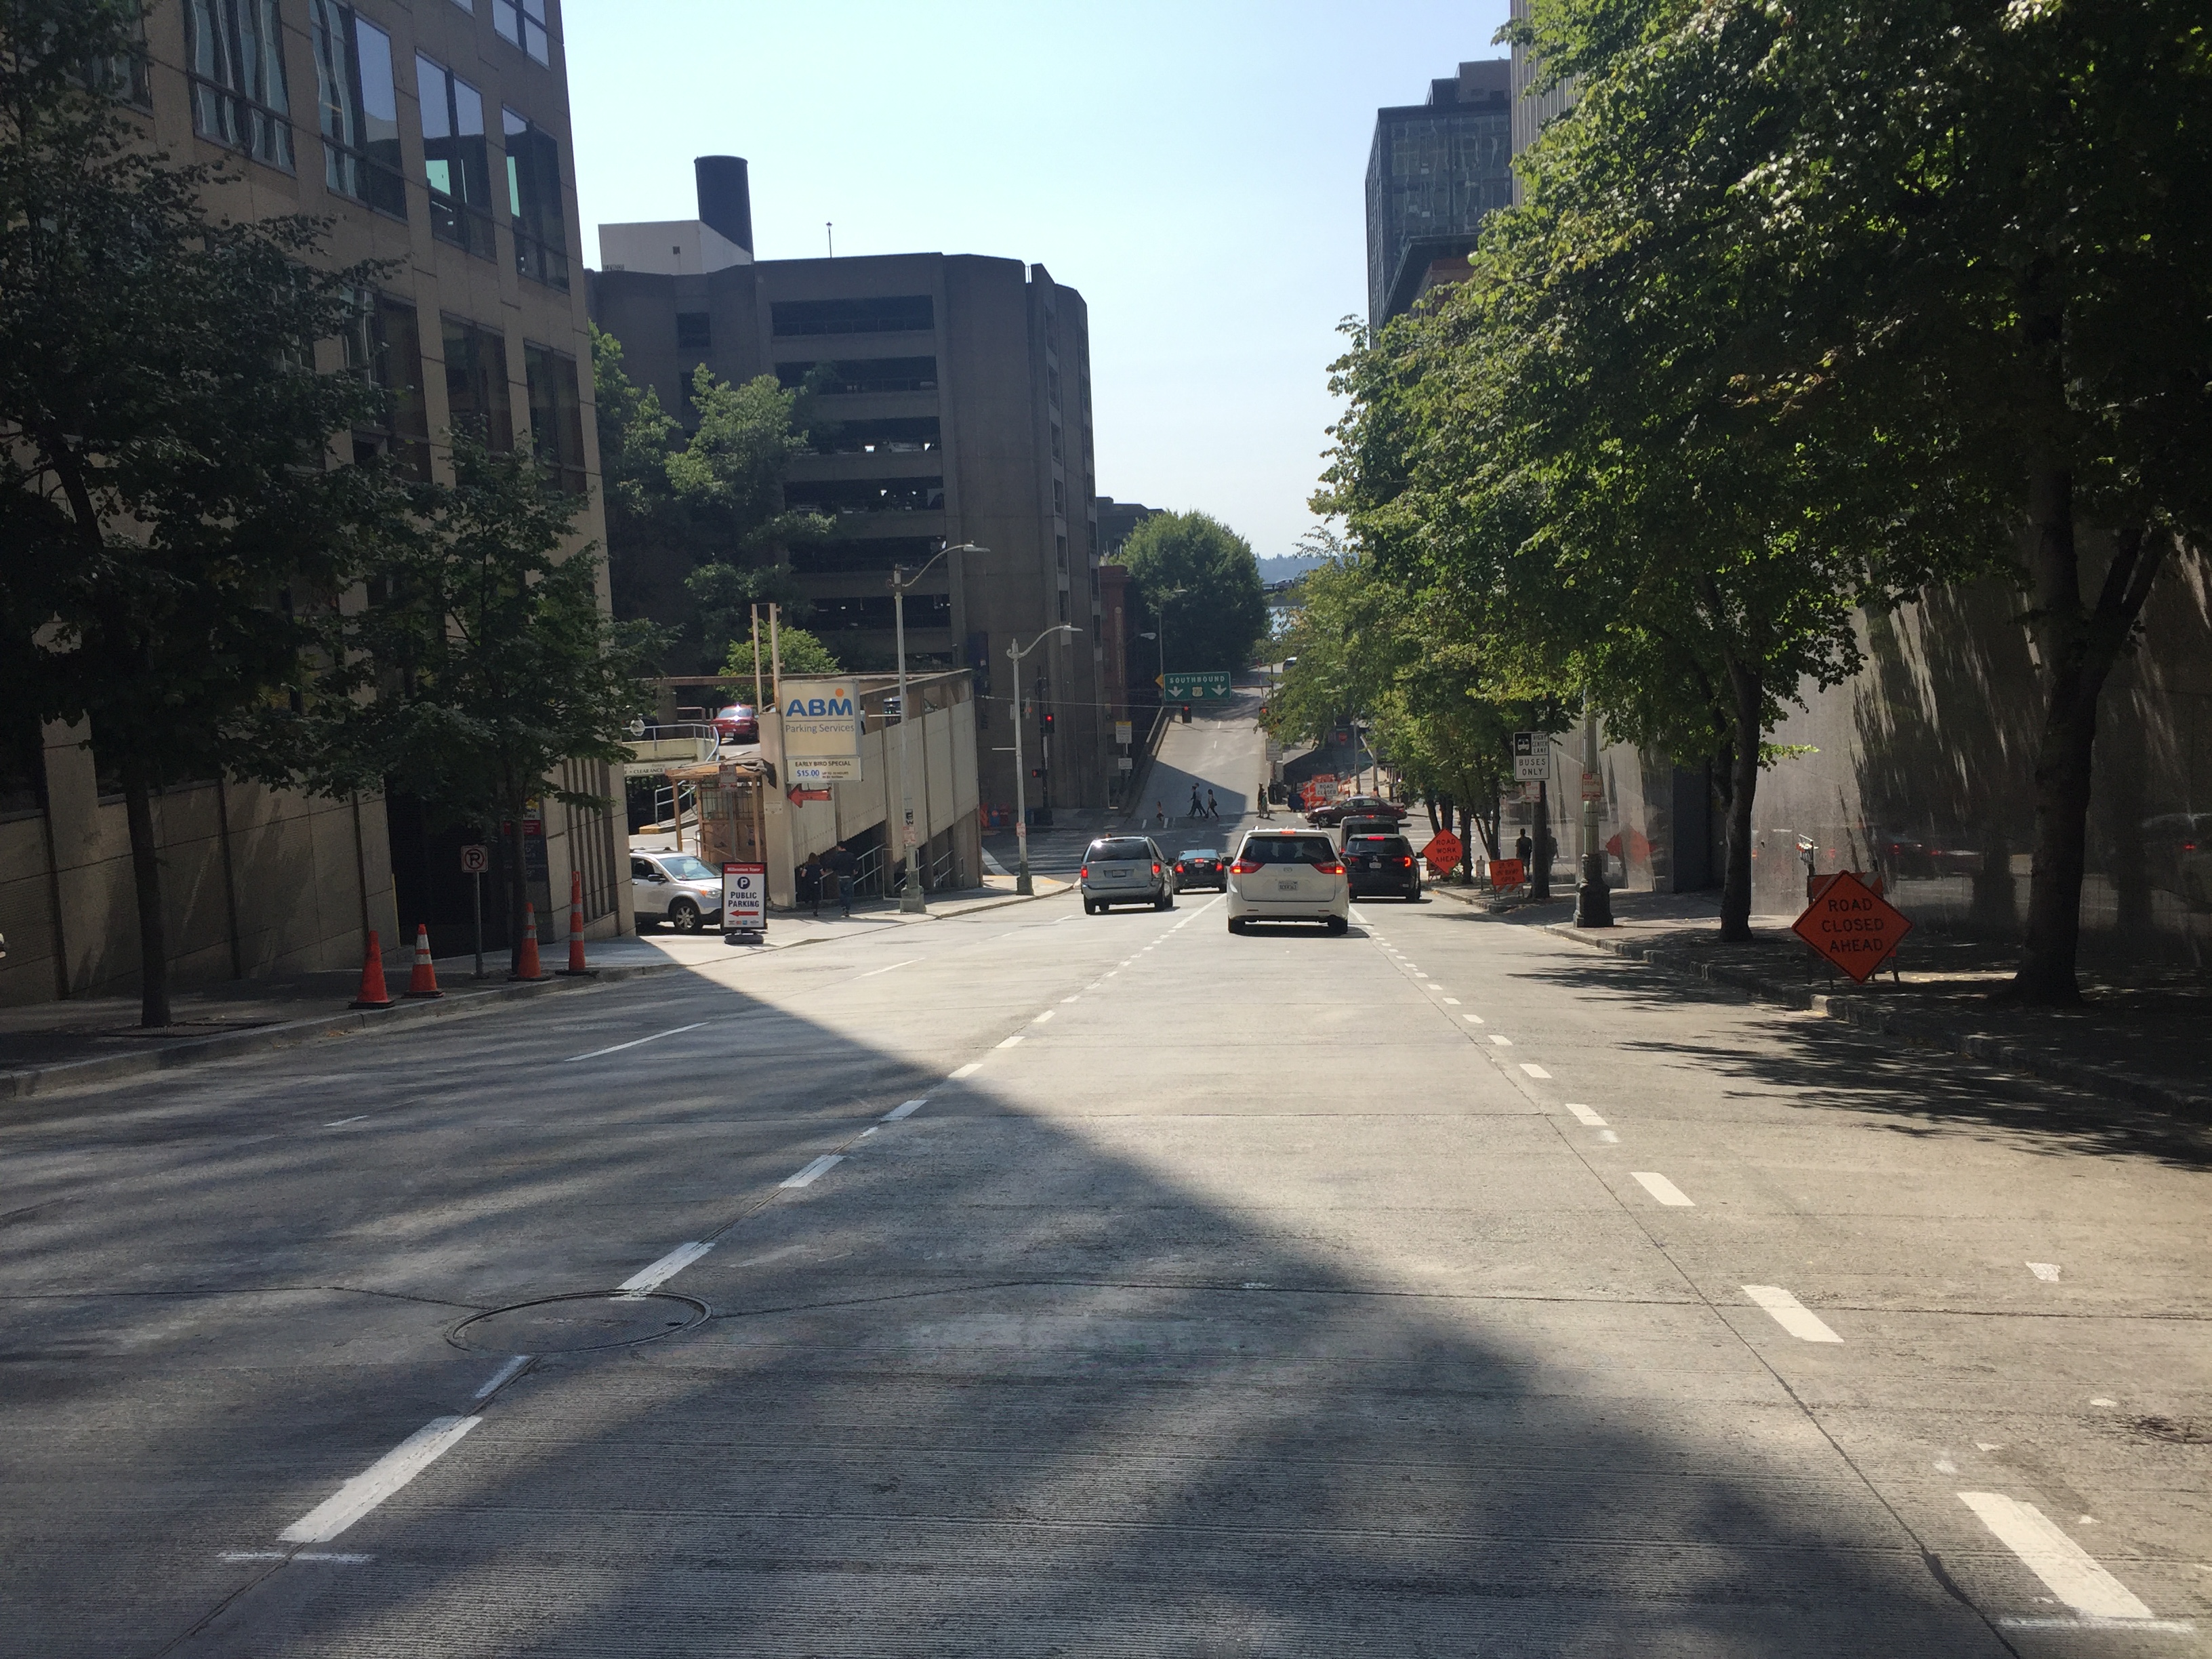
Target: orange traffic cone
423, 981
527, 967
373, 994
575, 969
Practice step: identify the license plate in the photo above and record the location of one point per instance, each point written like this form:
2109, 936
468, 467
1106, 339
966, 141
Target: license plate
1286, 886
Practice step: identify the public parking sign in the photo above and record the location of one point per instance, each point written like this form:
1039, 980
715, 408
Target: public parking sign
744, 898
1852, 926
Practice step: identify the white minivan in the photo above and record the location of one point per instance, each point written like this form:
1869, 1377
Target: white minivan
1289, 875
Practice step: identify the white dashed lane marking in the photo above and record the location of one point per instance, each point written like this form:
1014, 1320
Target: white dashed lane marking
1585, 1116
667, 1267
814, 1171
905, 1109
1533, 1069
1663, 1189
1793, 1316
2071, 1572
379, 1481
2046, 1271
1502, 1042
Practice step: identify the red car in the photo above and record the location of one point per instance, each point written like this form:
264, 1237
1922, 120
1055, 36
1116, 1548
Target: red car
738, 723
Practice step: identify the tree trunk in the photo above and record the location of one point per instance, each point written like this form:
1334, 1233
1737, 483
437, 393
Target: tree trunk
1540, 878
1743, 784
1467, 822
517, 882
2076, 649
146, 875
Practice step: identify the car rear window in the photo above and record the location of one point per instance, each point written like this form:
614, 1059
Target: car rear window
1197, 853
1393, 845
1288, 849
1121, 850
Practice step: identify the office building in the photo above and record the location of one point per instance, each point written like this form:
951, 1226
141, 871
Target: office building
434, 137
960, 391
1435, 170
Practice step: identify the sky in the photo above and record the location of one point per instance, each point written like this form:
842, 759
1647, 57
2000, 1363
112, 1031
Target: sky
1196, 170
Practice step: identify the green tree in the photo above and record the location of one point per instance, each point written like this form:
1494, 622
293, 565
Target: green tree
697, 524
1198, 577
803, 654
1974, 251
484, 661
167, 499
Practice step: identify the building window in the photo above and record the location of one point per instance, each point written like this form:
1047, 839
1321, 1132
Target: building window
522, 22
695, 331
557, 416
360, 107
1056, 454
1059, 502
885, 314
385, 347
1052, 385
872, 374
477, 400
534, 195
455, 160
1063, 604
1061, 550
236, 53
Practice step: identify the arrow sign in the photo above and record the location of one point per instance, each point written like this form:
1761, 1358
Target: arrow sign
799, 794
1852, 926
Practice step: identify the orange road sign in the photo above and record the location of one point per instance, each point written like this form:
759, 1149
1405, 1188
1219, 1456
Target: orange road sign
1506, 872
1442, 851
1852, 926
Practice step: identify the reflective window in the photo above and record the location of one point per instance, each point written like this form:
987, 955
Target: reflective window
456, 161
385, 346
522, 22
534, 195
360, 107
557, 416
476, 396
235, 59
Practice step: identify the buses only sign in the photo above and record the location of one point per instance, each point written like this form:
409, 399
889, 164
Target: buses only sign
1852, 926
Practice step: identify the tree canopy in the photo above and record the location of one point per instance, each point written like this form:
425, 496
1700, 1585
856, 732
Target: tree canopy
1199, 578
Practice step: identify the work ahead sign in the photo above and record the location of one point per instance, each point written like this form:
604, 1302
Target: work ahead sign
1184, 688
821, 731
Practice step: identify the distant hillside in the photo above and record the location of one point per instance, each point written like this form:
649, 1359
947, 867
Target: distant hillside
1282, 568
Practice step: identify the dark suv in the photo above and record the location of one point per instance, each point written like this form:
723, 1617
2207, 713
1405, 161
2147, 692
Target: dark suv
1382, 864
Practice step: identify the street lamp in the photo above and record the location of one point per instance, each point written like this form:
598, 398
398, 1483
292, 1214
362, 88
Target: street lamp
1015, 654
910, 894
1593, 903
1160, 602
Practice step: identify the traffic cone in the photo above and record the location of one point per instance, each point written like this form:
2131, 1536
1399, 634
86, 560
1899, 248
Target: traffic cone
373, 993
527, 967
423, 981
575, 969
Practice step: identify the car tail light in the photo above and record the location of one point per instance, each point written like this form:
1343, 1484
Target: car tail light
1404, 864
1245, 867
1083, 874
1332, 868
1156, 869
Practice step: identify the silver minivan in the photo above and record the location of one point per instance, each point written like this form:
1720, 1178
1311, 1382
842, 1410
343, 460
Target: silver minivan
1125, 870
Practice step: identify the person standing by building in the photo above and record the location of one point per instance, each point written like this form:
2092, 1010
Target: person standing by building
1524, 849
837, 867
811, 876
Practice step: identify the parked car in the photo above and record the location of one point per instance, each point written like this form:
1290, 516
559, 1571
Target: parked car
1367, 824
1330, 813
1289, 875
1382, 864
1200, 867
677, 889
1125, 870
738, 723
2176, 852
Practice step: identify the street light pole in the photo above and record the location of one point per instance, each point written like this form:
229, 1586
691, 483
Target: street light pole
910, 894
1014, 655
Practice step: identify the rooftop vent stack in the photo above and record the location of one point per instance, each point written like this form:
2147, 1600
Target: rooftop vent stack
726, 199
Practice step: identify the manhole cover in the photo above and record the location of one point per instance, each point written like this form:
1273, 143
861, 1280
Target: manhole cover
569, 1324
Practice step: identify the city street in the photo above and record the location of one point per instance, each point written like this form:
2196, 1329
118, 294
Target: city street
1033, 1283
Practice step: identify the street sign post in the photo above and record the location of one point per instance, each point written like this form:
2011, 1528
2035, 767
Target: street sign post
1851, 926
475, 859
1182, 688
1532, 756
744, 898
1593, 786
1125, 733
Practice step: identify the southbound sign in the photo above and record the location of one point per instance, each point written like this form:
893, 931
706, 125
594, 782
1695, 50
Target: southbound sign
821, 731
1852, 926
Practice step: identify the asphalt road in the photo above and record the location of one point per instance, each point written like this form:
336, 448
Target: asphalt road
1442, 1288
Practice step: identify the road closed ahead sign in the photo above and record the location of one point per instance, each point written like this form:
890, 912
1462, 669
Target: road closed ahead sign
1852, 926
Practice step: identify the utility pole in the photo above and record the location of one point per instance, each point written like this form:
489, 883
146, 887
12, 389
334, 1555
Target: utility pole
911, 898
1014, 655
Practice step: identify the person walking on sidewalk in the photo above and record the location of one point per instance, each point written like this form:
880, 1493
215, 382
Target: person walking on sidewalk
837, 867
1212, 806
810, 876
1197, 811
1160, 814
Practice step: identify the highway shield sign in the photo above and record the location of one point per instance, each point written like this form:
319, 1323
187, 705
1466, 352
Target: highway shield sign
1852, 926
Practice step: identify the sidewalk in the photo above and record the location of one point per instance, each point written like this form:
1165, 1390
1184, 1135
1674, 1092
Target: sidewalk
2144, 1033
49, 1046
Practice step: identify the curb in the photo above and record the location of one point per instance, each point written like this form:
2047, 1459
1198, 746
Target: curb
1918, 1030
30, 1080
22, 1083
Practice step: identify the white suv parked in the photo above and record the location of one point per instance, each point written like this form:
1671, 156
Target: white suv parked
1289, 875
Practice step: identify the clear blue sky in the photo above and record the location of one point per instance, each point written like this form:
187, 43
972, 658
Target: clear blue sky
1195, 169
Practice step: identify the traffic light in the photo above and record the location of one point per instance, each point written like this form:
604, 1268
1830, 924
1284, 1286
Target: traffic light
1048, 723
1185, 714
